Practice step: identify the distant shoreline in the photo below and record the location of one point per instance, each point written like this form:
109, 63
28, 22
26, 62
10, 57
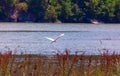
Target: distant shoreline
51, 27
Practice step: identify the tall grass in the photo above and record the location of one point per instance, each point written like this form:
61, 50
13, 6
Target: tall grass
60, 64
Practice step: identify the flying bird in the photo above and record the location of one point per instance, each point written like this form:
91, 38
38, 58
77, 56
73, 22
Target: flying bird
54, 40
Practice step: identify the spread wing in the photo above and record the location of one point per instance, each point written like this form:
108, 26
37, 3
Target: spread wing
49, 38
54, 40
61, 35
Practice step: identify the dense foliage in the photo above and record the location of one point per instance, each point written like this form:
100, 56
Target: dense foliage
60, 10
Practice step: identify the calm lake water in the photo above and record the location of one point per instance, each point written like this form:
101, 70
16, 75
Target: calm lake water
30, 37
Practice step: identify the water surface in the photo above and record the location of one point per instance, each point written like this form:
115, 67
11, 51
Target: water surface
30, 37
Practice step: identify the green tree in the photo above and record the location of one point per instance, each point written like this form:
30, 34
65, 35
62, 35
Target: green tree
18, 7
64, 10
35, 7
109, 8
67, 7
78, 14
21, 6
52, 10
117, 11
101, 9
93, 8
4, 8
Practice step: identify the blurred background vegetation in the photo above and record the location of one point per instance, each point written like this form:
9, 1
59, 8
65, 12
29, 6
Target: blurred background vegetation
67, 11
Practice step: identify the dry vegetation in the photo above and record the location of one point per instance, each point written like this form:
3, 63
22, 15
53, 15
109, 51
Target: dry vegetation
60, 64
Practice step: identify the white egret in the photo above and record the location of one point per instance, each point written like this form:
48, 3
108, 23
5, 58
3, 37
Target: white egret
54, 40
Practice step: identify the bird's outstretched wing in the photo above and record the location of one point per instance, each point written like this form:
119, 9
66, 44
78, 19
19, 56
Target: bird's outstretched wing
54, 40
61, 35
49, 38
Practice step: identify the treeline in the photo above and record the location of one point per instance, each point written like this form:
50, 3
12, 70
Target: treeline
78, 11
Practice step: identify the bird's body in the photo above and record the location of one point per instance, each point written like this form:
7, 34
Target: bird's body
54, 40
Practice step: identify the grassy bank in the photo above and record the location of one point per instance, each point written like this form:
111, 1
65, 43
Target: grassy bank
60, 64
